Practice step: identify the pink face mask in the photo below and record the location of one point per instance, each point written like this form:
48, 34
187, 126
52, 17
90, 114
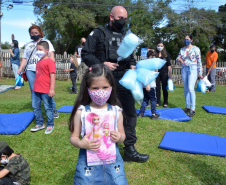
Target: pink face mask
100, 97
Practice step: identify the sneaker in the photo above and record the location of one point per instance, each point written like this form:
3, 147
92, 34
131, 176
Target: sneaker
191, 113
165, 105
37, 128
17, 87
186, 110
49, 130
155, 116
140, 115
56, 115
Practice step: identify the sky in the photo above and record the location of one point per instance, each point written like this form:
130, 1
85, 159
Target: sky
18, 19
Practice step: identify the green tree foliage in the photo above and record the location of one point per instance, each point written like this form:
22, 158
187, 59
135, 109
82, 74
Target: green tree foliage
148, 16
65, 22
200, 23
6, 45
220, 38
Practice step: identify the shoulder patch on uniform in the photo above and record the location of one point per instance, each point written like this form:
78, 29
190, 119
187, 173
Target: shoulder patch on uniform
91, 33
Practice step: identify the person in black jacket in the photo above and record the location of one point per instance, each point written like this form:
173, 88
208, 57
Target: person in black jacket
73, 74
164, 74
101, 47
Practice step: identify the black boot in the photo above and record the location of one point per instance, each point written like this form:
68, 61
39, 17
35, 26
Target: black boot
73, 91
130, 154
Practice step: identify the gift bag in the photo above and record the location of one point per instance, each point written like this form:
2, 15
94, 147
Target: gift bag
19, 81
206, 82
170, 85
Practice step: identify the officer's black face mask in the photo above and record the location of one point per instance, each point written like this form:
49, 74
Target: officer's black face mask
83, 44
118, 24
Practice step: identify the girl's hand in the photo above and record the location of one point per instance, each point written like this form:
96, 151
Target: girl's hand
115, 136
93, 145
65, 70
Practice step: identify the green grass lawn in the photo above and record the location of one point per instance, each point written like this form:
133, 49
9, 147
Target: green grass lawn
53, 159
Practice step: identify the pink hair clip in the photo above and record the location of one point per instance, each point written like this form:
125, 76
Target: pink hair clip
90, 68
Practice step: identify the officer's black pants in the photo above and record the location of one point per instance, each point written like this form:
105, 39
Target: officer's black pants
163, 77
129, 111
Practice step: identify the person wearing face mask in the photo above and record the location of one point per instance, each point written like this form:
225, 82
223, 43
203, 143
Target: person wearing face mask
44, 88
14, 169
101, 47
78, 48
73, 74
30, 59
164, 75
190, 58
15, 58
210, 62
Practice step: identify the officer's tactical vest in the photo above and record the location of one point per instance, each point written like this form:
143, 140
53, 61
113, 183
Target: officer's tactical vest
112, 43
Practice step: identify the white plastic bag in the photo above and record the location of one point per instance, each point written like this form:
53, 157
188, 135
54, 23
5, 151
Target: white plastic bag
128, 45
146, 76
206, 82
203, 86
138, 93
151, 64
79, 61
170, 85
129, 79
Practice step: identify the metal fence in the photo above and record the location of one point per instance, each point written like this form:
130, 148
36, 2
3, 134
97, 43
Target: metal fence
62, 62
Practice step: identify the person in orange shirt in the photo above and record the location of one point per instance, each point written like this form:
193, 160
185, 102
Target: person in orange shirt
210, 62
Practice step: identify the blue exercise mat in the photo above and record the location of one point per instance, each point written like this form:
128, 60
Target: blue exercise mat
194, 143
4, 88
175, 114
12, 124
213, 109
65, 109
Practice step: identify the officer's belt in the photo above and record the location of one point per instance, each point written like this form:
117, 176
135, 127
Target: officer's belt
118, 74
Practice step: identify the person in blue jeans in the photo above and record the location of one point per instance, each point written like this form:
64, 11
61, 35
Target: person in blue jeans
149, 93
15, 58
30, 59
190, 58
44, 88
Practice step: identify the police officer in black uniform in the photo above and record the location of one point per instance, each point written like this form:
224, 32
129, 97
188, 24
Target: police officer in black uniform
101, 46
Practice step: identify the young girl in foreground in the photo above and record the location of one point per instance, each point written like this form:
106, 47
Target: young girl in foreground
98, 93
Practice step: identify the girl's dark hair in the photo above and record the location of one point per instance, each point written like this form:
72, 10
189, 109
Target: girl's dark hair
163, 52
83, 97
152, 53
190, 36
16, 43
7, 151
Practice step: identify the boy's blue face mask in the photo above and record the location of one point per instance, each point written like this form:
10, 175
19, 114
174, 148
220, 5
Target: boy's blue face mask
187, 42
